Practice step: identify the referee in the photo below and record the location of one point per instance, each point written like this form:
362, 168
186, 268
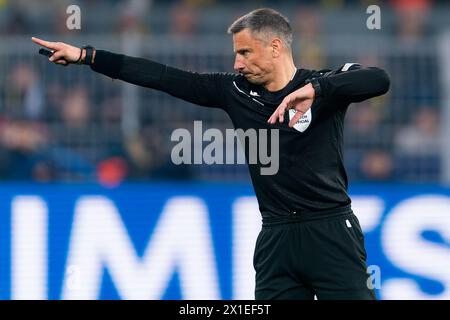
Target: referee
310, 243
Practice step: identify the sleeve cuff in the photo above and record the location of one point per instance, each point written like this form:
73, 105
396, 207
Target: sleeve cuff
107, 63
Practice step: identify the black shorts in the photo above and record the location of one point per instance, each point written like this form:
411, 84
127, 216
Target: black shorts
307, 256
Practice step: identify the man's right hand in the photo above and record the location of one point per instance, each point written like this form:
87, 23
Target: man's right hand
300, 100
64, 54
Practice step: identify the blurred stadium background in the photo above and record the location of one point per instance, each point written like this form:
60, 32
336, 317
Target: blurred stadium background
72, 140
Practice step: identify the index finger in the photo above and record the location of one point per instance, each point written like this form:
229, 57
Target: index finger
278, 113
47, 44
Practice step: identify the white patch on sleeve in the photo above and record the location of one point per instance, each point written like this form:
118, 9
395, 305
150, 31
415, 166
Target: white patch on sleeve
347, 66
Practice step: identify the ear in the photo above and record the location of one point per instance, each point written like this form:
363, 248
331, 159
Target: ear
277, 46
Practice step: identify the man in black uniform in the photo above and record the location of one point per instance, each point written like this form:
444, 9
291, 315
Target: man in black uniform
311, 243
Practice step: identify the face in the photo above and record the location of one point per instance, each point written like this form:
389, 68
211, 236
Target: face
254, 58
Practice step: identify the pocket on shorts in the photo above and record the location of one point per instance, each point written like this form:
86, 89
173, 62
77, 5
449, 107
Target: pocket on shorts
357, 235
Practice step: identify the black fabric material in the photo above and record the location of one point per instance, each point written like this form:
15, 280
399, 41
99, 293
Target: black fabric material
323, 257
311, 175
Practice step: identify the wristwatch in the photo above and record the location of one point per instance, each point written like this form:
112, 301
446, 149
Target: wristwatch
89, 54
316, 85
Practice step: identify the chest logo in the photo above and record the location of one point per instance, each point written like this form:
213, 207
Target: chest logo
303, 123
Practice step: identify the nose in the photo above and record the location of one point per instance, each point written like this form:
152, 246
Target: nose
238, 65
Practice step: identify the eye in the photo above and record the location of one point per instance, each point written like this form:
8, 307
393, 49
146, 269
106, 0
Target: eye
244, 52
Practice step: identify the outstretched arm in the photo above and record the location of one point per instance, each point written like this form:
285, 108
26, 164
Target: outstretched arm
202, 89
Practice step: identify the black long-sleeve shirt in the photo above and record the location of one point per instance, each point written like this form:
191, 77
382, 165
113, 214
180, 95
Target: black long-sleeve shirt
311, 175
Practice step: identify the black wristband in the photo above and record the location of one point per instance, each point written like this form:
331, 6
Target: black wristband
89, 54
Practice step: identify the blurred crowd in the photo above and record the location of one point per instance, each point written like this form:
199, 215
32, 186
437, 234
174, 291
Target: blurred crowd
63, 128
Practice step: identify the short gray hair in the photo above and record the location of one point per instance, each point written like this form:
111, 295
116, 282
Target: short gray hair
264, 20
